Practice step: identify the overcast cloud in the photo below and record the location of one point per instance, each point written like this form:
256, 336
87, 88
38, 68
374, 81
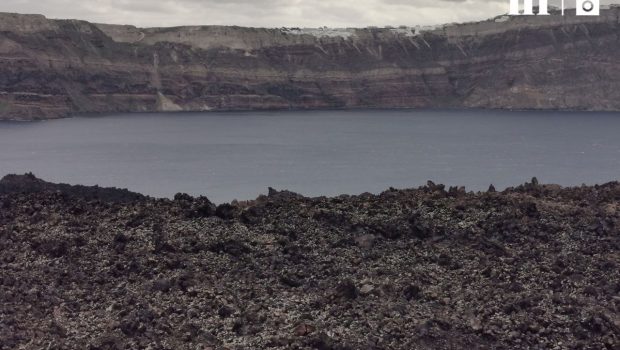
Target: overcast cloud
267, 13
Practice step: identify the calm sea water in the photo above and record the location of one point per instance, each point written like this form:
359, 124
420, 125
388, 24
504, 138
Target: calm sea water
229, 156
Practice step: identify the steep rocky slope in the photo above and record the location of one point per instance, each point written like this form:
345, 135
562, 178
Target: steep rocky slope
534, 267
54, 68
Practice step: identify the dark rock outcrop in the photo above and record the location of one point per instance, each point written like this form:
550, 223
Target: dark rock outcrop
530, 267
28, 183
55, 68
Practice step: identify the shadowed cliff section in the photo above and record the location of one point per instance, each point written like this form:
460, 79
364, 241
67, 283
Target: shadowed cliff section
56, 68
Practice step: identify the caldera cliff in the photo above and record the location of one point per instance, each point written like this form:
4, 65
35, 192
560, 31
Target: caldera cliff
55, 68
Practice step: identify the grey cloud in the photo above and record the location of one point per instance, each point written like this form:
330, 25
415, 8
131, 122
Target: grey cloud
266, 13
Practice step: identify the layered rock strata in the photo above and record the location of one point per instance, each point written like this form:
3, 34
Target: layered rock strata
55, 68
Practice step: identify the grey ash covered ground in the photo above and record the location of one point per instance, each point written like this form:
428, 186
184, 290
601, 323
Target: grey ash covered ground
534, 267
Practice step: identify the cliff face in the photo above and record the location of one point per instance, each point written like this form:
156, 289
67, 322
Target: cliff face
55, 68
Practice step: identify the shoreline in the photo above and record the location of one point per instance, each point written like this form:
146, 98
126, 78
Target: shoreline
302, 110
29, 183
312, 110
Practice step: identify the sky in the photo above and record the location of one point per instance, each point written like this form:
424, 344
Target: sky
267, 13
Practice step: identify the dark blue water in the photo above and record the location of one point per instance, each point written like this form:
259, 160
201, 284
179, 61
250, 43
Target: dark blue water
238, 155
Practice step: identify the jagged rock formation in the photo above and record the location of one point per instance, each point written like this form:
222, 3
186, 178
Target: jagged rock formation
54, 68
533, 267
30, 184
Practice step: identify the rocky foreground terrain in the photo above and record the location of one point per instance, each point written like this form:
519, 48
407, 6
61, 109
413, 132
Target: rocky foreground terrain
56, 68
533, 267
